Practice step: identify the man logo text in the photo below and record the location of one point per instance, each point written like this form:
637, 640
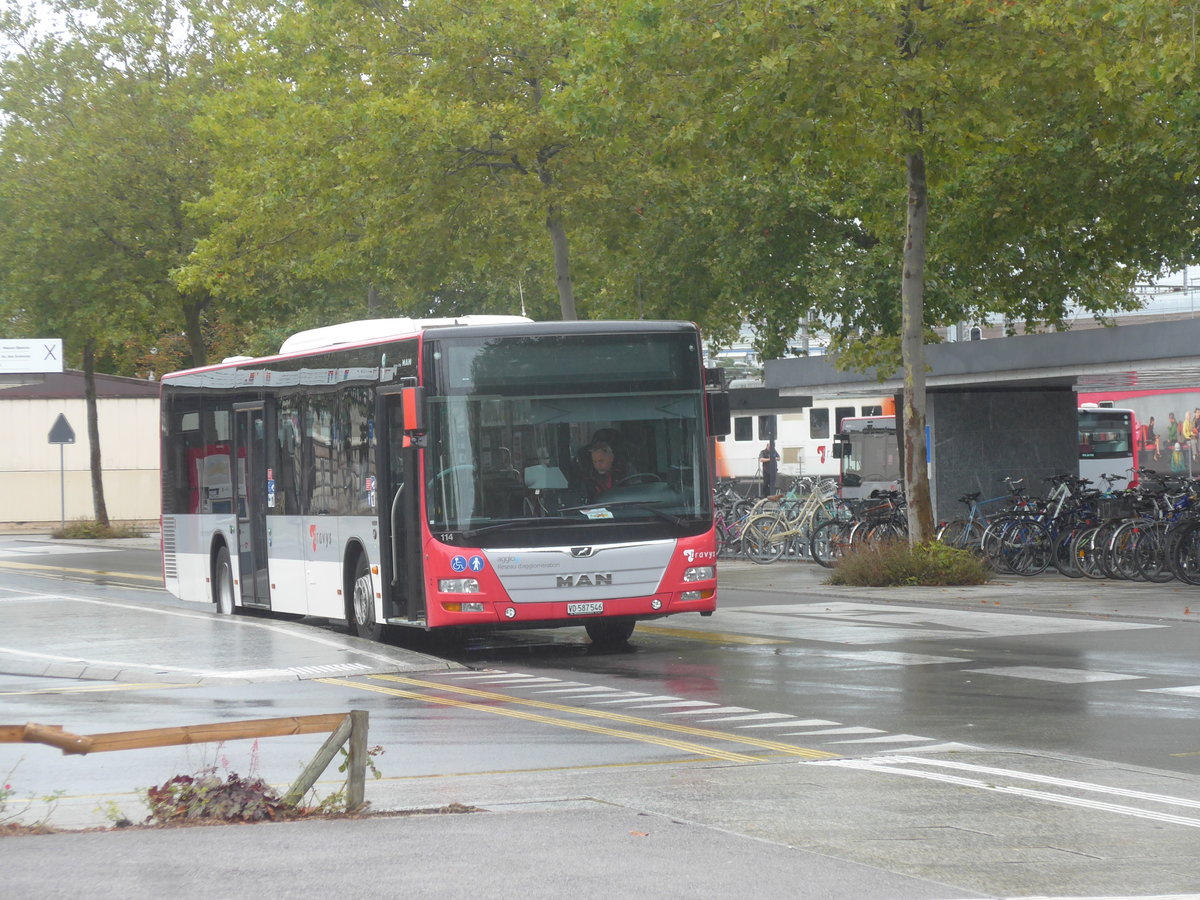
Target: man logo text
583, 580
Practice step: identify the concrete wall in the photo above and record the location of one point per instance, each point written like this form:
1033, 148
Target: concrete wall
29, 464
979, 437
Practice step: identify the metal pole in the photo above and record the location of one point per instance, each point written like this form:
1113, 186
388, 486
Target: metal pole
62, 490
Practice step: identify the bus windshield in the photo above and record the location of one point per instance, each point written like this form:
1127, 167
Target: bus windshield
557, 430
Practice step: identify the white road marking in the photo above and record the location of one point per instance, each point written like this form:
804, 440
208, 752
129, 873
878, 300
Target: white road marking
757, 715
11, 551
1052, 780
896, 765
710, 711
794, 723
891, 658
849, 729
298, 634
889, 739
840, 622
1060, 676
639, 701
1191, 690
688, 705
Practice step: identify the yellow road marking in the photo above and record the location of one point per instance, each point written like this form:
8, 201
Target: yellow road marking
17, 565
717, 637
708, 733
93, 688
547, 720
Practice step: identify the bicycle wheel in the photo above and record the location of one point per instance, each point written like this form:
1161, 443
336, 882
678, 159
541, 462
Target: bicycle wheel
1150, 552
992, 544
1184, 552
962, 534
1061, 554
1083, 551
1027, 547
1103, 547
765, 539
1123, 564
829, 542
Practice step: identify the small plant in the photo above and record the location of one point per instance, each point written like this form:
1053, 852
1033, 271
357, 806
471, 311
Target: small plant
8, 819
895, 563
83, 529
209, 796
6, 792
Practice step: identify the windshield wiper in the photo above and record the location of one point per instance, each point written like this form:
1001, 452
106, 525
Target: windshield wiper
521, 523
628, 504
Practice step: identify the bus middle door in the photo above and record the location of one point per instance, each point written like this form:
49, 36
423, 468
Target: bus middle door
399, 512
249, 447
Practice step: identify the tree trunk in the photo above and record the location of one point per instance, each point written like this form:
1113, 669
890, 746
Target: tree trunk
562, 262
912, 349
191, 323
372, 301
93, 428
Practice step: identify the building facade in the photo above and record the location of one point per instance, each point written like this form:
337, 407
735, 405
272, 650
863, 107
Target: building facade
37, 492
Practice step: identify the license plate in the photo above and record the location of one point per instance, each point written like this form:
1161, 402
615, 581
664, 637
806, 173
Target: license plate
584, 609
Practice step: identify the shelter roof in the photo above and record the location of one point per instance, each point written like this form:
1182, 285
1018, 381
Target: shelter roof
1150, 356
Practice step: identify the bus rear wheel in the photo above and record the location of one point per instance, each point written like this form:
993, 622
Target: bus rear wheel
222, 583
361, 613
608, 634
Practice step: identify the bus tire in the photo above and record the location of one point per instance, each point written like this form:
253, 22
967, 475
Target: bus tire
360, 605
609, 634
222, 582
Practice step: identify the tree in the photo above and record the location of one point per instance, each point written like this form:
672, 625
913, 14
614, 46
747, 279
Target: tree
1015, 131
96, 165
412, 147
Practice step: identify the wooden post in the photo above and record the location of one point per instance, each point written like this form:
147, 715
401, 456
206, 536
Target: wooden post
356, 769
319, 762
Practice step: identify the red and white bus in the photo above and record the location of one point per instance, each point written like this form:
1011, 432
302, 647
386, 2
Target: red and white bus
430, 474
803, 439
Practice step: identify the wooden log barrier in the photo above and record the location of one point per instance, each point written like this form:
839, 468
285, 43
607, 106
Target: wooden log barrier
344, 727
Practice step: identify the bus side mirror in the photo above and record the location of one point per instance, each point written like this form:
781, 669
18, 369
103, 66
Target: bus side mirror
716, 405
841, 445
412, 409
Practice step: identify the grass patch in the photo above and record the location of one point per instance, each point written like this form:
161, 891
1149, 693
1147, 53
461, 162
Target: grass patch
89, 530
896, 563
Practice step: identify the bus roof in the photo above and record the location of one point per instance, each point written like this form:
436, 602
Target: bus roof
364, 333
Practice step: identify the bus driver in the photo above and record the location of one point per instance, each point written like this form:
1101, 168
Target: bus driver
606, 471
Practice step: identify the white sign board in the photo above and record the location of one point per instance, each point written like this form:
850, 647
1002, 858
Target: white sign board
28, 357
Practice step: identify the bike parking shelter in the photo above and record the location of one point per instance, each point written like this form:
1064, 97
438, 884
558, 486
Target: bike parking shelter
1006, 406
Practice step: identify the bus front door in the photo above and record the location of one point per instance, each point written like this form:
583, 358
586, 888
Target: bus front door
399, 514
249, 438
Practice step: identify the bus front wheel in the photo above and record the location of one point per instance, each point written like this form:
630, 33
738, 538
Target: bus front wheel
608, 634
361, 616
223, 582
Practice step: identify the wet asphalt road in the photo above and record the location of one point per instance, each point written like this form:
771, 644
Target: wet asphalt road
786, 670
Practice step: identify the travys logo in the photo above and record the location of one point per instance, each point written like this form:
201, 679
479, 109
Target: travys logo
319, 538
692, 555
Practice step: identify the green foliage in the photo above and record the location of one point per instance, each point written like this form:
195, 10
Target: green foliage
731, 164
86, 529
896, 563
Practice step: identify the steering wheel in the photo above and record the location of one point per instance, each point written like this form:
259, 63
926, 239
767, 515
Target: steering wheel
463, 468
638, 478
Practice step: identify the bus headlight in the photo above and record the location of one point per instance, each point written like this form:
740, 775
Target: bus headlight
458, 586
700, 573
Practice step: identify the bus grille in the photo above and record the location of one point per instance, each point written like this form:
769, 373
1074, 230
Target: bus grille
168, 544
